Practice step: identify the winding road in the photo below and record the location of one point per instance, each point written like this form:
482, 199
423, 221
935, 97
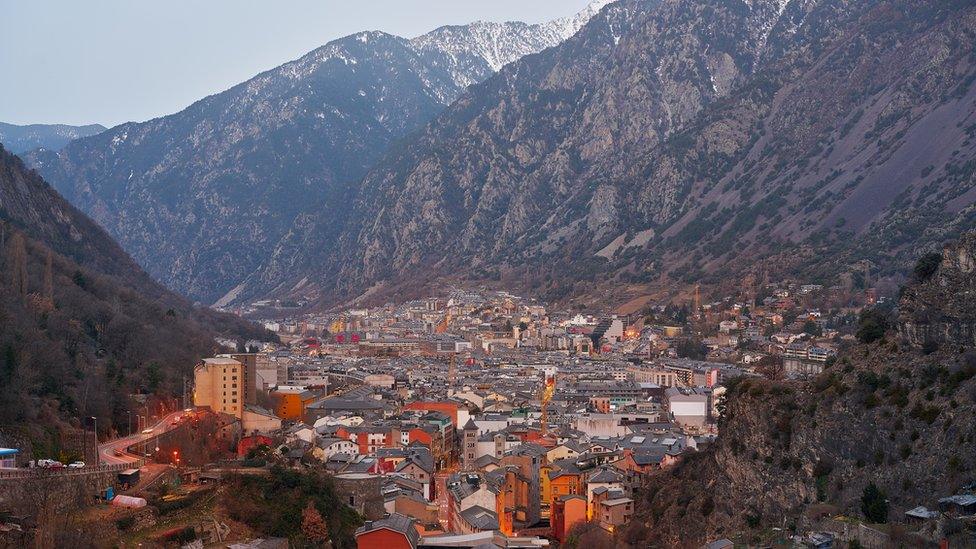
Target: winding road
107, 450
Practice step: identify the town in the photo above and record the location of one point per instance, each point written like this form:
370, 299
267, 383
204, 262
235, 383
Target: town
481, 415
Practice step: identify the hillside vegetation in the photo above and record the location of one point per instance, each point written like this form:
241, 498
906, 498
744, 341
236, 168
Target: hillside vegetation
81, 326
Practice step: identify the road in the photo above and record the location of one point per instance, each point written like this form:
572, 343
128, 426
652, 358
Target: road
443, 505
106, 451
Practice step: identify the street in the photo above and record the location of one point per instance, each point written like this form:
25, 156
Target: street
106, 451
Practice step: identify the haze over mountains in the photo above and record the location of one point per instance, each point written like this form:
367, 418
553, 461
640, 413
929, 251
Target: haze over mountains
666, 140
20, 139
201, 197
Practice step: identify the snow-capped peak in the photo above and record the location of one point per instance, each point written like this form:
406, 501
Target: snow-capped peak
498, 44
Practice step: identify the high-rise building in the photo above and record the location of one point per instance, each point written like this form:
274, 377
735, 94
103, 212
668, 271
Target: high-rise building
219, 385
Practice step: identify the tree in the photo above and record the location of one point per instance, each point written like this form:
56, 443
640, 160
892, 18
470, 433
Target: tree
17, 256
691, 348
927, 265
314, 526
874, 504
154, 377
872, 326
812, 328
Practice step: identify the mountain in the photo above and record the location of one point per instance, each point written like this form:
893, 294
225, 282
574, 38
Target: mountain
201, 197
19, 139
81, 325
674, 140
897, 413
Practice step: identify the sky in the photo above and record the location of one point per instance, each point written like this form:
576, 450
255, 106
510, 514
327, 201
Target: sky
113, 61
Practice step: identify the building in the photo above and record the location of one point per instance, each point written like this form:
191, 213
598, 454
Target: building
8, 458
614, 513
218, 384
251, 363
688, 407
256, 420
566, 512
292, 402
393, 532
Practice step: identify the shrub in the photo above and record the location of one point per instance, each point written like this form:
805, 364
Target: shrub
872, 326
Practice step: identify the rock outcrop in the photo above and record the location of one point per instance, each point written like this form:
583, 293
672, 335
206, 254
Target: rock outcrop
943, 309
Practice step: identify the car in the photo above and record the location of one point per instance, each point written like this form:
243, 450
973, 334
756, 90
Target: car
47, 463
76, 465
147, 431
119, 452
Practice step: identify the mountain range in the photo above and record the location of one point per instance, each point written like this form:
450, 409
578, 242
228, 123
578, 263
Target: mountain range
20, 139
202, 197
673, 141
665, 143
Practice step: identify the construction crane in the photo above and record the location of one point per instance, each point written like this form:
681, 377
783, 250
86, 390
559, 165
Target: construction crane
444, 324
548, 391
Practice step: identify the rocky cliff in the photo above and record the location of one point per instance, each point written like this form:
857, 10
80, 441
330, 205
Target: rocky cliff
943, 310
886, 413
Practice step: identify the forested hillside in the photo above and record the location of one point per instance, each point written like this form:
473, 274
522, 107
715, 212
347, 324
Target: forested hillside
81, 326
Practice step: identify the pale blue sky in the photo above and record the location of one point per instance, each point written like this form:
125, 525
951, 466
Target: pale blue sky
111, 61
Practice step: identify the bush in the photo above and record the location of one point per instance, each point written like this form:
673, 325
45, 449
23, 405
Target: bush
927, 265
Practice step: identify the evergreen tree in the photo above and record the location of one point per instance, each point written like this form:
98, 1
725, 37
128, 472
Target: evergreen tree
874, 504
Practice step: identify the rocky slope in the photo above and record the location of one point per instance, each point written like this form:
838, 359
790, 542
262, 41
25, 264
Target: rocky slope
673, 139
81, 325
889, 412
201, 197
19, 139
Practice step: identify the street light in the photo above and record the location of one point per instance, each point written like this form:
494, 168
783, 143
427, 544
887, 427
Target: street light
95, 429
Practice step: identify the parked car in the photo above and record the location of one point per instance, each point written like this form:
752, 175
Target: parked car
76, 465
47, 463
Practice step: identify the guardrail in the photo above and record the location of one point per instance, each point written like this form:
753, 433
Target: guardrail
44, 472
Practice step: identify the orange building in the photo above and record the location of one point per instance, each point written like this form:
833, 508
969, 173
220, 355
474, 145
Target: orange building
566, 512
563, 482
292, 403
